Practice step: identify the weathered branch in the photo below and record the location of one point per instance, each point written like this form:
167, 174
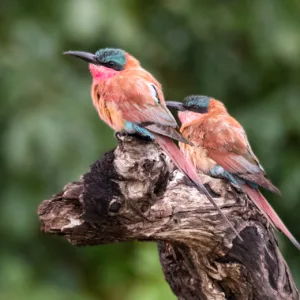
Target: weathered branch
134, 193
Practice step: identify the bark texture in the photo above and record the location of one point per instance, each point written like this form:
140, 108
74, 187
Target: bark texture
134, 193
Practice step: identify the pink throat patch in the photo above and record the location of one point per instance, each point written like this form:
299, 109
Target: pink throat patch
101, 72
188, 116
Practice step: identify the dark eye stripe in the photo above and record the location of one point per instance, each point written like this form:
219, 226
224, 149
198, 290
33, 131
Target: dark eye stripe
113, 65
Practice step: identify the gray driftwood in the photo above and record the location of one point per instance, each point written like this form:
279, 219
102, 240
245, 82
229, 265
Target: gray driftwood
134, 193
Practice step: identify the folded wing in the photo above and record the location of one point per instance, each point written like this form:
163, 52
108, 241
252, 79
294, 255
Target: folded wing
226, 143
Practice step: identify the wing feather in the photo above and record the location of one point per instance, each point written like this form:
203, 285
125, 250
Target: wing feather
134, 95
139, 99
226, 143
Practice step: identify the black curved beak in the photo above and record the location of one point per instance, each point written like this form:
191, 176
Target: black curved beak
175, 105
89, 57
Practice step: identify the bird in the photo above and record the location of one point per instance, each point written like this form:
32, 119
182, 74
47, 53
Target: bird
221, 149
129, 99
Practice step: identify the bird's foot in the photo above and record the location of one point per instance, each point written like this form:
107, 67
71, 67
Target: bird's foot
120, 135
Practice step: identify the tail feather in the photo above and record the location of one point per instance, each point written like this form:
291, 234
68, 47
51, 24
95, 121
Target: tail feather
168, 131
262, 181
261, 202
188, 169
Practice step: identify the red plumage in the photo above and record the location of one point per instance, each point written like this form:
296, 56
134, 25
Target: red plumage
127, 96
219, 139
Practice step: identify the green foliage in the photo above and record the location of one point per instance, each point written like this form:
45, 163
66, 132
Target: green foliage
246, 53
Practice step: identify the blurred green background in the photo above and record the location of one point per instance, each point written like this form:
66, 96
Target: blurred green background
246, 53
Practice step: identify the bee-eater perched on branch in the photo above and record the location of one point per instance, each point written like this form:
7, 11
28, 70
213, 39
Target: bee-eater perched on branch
221, 148
130, 99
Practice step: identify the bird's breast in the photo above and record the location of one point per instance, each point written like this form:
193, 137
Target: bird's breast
108, 110
197, 155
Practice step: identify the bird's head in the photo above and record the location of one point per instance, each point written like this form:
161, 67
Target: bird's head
193, 107
106, 62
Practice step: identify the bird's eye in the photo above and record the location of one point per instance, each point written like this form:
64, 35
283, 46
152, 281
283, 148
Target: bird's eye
110, 64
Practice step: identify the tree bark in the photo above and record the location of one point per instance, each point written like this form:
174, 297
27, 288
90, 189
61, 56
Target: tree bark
134, 193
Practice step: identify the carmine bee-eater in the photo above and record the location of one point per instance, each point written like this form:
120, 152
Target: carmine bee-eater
221, 148
130, 99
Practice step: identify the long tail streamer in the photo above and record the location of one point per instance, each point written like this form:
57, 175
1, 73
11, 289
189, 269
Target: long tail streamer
188, 169
263, 205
